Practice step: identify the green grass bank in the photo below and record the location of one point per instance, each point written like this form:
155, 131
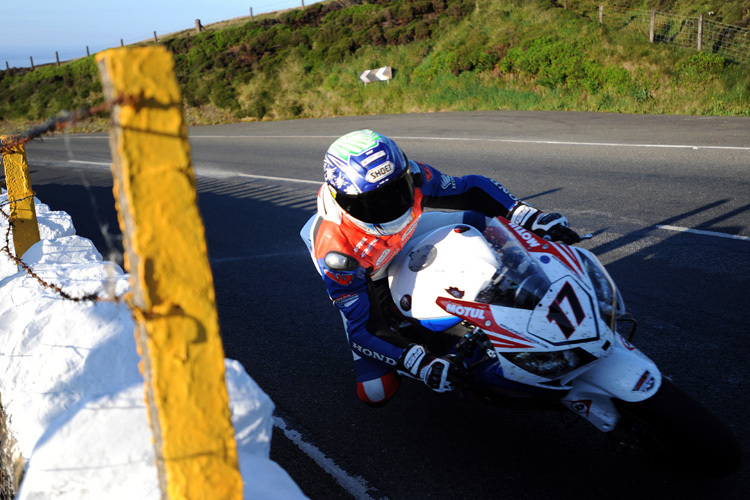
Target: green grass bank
446, 55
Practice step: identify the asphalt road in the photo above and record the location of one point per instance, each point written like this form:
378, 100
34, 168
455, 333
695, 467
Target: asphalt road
633, 181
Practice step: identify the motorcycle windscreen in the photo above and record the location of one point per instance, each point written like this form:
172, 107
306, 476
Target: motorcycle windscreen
518, 282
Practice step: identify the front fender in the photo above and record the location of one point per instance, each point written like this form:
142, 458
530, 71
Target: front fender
626, 374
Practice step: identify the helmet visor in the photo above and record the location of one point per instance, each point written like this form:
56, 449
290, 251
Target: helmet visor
383, 204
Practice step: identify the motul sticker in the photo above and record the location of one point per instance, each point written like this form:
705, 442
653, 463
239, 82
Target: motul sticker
525, 235
464, 311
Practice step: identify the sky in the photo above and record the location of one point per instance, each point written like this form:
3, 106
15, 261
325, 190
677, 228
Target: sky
72, 389
41, 28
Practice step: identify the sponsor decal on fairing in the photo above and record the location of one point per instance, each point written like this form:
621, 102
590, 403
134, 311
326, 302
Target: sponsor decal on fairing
537, 245
645, 383
527, 236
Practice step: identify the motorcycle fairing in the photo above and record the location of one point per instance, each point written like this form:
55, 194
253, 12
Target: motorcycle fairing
627, 374
565, 315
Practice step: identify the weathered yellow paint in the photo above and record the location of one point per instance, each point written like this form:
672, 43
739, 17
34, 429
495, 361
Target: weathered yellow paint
21, 197
165, 252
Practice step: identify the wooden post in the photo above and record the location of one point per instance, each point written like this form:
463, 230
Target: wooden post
87, 50
198, 26
651, 26
251, 14
7, 66
177, 327
122, 44
156, 40
601, 14
32, 62
20, 197
57, 58
700, 33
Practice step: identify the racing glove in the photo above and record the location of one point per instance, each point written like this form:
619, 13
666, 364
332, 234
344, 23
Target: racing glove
550, 226
419, 363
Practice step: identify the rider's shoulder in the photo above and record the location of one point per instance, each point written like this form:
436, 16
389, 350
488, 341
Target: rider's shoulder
339, 261
422, 172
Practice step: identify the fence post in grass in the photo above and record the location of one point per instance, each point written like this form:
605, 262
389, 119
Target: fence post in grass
700, 32
32, 62
20, 197
173, 300
651, 26
156, 40
601, 14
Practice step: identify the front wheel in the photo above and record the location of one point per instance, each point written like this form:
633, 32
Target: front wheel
673, 425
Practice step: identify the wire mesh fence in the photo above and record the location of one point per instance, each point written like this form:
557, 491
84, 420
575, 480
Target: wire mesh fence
696, 33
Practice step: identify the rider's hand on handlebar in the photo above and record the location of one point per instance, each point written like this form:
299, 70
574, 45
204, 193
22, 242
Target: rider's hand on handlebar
423, 365
550, 226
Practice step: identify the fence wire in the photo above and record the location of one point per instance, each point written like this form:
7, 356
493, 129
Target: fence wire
61, 122
731, 42
13, 142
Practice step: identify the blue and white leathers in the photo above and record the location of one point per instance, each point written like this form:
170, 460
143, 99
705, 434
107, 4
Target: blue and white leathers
350, 258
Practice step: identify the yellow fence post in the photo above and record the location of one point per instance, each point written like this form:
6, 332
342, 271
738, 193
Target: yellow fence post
177, 326
21, 197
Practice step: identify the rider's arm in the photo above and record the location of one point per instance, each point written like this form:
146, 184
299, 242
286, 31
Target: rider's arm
350, 290
489, 197
471, 192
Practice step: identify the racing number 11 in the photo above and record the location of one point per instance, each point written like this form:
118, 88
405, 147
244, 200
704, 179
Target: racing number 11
557, 315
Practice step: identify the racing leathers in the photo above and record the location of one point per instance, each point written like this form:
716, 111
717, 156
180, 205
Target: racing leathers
351, 261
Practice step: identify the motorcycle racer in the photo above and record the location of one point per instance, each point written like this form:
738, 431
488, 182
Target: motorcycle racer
370, 205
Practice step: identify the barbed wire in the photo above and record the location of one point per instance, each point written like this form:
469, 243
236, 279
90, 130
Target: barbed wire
7, 251
63, 120
60, 122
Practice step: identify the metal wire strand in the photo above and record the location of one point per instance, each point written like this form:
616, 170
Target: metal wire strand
60, 122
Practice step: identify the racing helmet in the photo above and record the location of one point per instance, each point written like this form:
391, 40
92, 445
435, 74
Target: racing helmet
368, 177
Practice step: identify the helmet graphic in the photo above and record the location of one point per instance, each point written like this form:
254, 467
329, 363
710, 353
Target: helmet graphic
368, 176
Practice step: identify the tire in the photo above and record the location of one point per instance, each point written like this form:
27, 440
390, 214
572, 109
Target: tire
672, 425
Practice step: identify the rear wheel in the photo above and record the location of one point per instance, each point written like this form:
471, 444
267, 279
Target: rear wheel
673, 425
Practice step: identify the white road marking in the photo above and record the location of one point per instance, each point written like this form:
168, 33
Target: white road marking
465, 139
284, 179
86, 162
356, 486
239, 174
702, 232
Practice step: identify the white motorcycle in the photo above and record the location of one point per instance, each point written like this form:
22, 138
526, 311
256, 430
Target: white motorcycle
534, 324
